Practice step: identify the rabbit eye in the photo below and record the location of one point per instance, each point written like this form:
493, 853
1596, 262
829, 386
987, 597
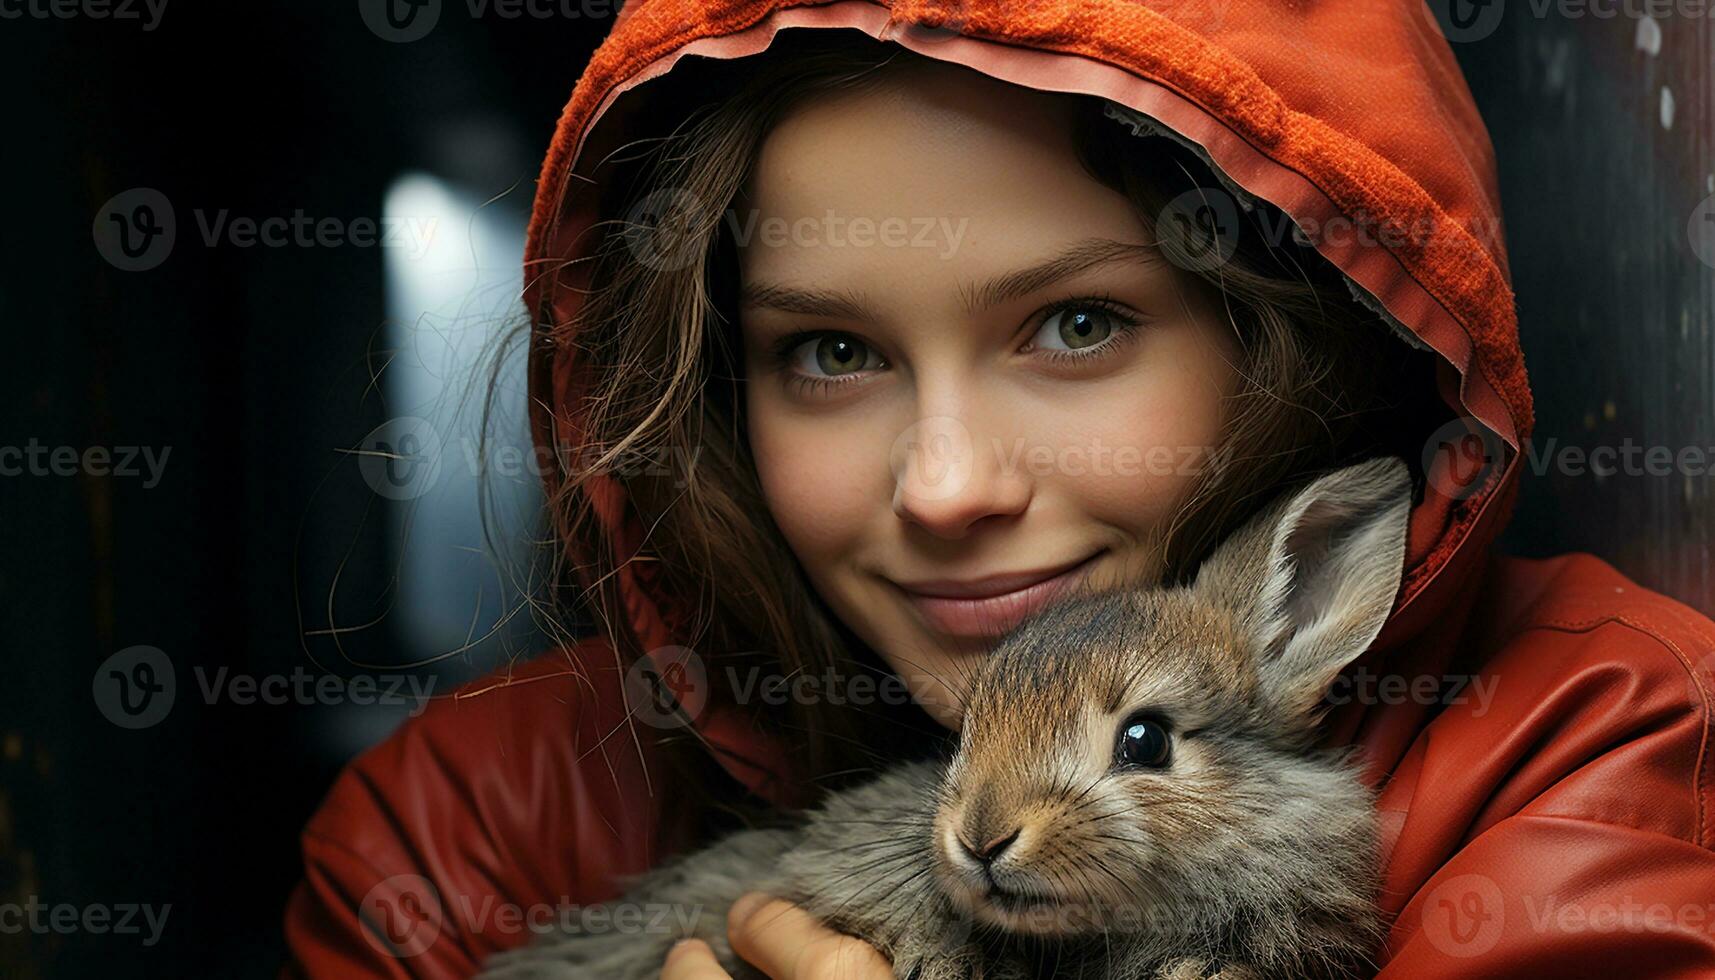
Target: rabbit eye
1144, 742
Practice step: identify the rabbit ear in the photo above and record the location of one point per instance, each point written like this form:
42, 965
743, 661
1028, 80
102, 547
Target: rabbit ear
1314, 576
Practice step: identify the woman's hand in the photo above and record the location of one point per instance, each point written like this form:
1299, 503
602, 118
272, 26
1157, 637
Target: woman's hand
784, 942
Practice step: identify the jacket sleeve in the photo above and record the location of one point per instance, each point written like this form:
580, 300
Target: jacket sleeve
499, 809
1565, 828
1541, 896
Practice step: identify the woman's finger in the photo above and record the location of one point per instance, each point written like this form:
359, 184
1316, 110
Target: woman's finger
692, 959
787, 943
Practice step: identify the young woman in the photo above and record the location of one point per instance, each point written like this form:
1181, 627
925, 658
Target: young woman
867, 329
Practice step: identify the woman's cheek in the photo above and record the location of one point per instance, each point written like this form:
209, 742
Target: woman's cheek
1129, 464
816, 475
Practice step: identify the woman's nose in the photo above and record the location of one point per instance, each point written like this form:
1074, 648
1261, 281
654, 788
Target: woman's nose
947, 478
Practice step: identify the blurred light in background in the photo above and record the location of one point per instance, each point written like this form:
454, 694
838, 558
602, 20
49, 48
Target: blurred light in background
453, 281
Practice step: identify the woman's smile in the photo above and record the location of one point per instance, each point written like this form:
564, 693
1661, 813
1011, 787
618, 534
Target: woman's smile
988, 606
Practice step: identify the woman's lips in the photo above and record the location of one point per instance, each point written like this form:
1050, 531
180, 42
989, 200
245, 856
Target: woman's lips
986, 608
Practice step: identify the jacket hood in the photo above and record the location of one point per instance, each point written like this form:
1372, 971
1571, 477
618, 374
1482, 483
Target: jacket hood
1349, 116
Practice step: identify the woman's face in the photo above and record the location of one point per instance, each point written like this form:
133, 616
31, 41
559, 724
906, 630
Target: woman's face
968, 385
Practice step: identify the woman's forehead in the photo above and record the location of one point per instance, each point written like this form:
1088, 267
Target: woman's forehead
896, 145
897, 207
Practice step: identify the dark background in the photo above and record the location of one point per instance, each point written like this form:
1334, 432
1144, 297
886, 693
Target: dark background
258, 366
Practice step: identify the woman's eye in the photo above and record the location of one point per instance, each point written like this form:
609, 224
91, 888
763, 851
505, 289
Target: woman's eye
1144, 742
1075, 328
832, 355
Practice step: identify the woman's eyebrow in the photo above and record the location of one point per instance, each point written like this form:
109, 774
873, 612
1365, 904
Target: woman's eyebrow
842, 304
1083, 255
807, 302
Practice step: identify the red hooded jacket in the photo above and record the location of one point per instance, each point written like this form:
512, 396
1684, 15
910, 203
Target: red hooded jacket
1553, 816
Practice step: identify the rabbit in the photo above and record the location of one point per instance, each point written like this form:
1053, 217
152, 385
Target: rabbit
1137, 789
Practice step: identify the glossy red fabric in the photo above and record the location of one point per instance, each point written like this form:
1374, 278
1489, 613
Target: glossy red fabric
1548, 812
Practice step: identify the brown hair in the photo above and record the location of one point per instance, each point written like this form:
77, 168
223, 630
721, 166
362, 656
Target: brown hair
657, 338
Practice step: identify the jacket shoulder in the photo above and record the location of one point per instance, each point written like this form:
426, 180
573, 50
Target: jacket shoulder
516, 793
1611, 685
1559, 818
1579, 590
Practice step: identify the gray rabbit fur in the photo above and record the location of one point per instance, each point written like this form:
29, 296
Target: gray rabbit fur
1240, 850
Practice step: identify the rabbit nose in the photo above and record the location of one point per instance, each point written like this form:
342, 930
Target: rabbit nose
991, 850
